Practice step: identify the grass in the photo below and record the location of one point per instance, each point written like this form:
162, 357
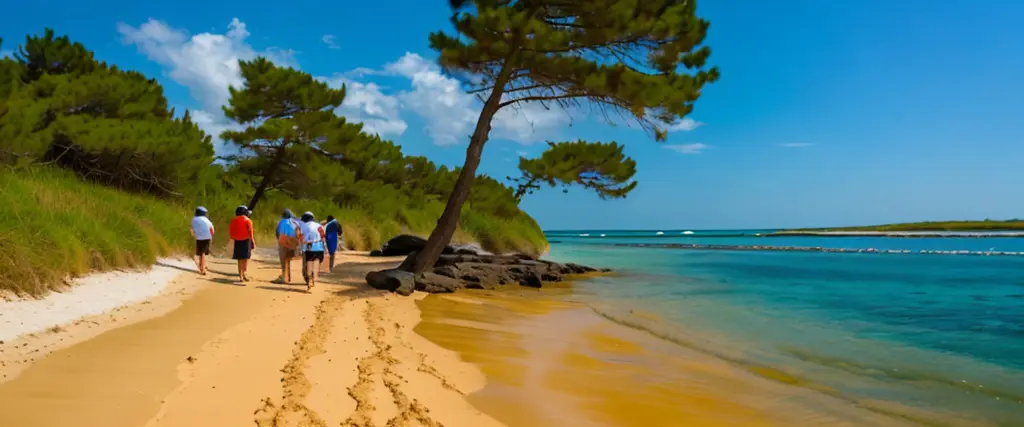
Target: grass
55, 227
986, 225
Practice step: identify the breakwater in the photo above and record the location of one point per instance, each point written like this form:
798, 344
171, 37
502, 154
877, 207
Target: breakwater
817, 249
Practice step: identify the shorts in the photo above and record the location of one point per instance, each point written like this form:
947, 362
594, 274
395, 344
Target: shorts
283, 252
314, 256
202, 247
243, 249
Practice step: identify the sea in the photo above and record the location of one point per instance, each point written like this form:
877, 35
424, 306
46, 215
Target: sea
929, 333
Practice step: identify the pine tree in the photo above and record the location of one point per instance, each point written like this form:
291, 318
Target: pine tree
54, 55
640, 59
107, 125
292, 134
601, 167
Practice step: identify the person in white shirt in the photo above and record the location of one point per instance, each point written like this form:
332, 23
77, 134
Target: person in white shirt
202, 231
313, 246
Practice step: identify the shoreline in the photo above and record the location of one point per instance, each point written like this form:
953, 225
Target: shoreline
227, 354
560, 361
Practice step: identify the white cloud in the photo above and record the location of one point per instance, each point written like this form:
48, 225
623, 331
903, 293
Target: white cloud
205, 63
366, 103
796, 144
686, 124
695, 148
331, 41
450, 113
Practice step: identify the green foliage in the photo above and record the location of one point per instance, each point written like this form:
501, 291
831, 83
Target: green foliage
107, 125
65, 116
54, 55
55, 225
639, 58
598, 166
290, 121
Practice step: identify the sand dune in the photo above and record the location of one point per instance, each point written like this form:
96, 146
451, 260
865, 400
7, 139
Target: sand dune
263, 354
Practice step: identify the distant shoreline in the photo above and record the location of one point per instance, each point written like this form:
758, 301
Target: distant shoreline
919, 234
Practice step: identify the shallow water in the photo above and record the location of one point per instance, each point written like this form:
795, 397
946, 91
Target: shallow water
905, 335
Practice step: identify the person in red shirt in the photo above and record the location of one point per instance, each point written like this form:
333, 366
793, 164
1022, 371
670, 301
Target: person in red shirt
241, 232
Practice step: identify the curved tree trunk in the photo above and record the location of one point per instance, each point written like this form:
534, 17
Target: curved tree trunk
268, 176
449, 220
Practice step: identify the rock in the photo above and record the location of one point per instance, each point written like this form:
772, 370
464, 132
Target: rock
404, 244
469, 249
398, 281
437, 284
467, 266
450, 271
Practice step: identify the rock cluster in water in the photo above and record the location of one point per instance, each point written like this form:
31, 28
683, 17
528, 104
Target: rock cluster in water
820, 249
475, 271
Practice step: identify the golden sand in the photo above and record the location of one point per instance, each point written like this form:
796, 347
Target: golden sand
262, 354
219, 354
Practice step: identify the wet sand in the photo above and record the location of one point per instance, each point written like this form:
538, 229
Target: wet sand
550, 361
263, 354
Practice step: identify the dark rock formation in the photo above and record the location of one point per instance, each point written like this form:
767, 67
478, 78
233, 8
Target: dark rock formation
406, 244
398, 281
437, 284
475, 271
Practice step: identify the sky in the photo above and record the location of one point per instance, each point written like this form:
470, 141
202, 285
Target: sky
827, 113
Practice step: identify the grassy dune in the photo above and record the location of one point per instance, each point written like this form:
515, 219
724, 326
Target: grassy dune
54, 226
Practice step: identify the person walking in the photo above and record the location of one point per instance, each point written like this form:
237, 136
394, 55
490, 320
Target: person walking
332, 231
313, 248
288, 238
241, 232
202, 230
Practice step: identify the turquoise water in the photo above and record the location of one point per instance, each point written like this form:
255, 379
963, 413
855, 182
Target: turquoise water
926, 334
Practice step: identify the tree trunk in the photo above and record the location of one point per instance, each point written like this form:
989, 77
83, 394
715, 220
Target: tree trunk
449, 220
267, 178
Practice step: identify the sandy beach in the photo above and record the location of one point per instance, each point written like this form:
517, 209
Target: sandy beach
209, 352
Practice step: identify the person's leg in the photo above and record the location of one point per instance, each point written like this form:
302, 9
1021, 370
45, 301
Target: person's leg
319, 264
330, 266
202, 264
245, 270
286, 268
282, 257
241, 272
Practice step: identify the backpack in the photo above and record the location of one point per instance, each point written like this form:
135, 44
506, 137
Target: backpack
286, 241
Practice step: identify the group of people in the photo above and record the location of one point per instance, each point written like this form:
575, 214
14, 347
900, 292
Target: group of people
303, 238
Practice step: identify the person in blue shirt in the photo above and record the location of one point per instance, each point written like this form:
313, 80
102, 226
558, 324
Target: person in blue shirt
288, 237
332, 230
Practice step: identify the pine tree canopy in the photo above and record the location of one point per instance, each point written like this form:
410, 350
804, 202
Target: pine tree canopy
293, 140
601, 167
108, 125
642, 59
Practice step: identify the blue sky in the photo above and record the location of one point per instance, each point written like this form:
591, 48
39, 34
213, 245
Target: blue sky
827, 112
